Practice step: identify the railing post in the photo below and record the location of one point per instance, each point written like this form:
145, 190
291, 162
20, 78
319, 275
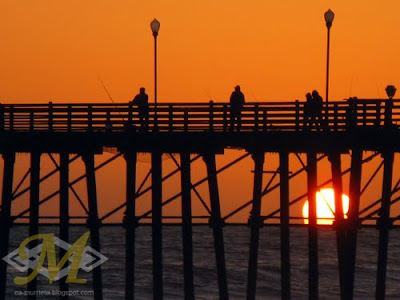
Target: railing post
2, 127
69, 118
11, 117
355, 107
108, 124
225, 117
186, 120
297, 115
256, 108
90, 117
364, 114
130, 113
51, 116
265, 118
335, 117
171, 117
351, 114
378, 114
32, 121
325, 122
388, 112
211, 120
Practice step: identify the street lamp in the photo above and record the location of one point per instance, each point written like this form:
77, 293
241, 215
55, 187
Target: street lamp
390, 91
155, 27
329, 16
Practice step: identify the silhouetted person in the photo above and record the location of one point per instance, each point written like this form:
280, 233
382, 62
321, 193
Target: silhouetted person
236, 102
316, 109
351, 113
307, 110
142, 102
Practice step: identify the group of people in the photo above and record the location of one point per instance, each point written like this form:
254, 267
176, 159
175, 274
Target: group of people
312, 109
141, 100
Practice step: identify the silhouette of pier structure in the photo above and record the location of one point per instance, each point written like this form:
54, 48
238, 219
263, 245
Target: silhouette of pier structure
202, 130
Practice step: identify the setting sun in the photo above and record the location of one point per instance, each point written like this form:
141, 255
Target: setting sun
326, 207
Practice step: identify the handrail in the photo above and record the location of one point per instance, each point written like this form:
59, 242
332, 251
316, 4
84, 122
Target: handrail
195, 117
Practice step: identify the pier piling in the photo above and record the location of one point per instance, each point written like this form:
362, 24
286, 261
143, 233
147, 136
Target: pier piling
93, 221
216, 224
255, 223
5, 216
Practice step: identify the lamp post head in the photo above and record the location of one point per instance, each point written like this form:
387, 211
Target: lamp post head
155, 27
329, 16
390, 91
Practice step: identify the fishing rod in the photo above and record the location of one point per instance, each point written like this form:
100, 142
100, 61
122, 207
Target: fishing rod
109, 96
107, 92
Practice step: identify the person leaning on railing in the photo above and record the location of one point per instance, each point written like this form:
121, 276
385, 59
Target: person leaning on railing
236, 106
142, 102
351, 113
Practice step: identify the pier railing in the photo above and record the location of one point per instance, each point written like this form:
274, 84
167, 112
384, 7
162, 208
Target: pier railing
198, 117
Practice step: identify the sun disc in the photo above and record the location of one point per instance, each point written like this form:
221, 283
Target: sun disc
326, 207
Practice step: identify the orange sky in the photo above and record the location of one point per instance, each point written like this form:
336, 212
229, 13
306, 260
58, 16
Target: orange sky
55, 50
276, 50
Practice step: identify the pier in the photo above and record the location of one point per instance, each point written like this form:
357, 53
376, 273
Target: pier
359, 129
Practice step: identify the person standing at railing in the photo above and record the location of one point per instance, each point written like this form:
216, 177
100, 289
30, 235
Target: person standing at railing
142, 102
316, 108
308, 116
351, 113
236, 106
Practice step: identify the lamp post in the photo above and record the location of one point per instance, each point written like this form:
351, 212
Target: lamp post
390, 91
155, 27
329, 16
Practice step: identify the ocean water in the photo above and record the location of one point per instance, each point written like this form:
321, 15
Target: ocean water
236, 247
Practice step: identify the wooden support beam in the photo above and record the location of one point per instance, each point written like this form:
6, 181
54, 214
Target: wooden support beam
187, 227
353, 222
5, 217
284, 218
34, 210
339, 224
312, 226
216, 224
156, 178
255, 222
384, 224
130, 224
64, 211
93, 221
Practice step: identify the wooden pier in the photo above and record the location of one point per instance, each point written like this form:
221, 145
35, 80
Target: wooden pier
72, 131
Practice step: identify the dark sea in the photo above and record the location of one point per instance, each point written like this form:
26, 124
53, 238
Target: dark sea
237, 247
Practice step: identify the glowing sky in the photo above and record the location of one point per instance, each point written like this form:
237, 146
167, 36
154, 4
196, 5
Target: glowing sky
276, 50
56, 50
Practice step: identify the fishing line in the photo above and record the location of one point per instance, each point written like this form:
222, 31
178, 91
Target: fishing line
109, 96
